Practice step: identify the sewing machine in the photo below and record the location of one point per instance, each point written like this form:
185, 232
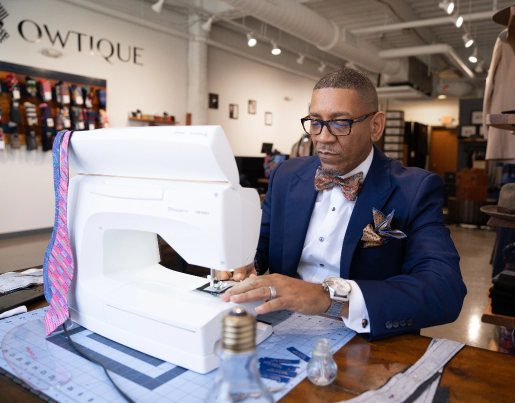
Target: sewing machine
183, 184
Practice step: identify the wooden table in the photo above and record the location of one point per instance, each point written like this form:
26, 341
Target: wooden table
473, 375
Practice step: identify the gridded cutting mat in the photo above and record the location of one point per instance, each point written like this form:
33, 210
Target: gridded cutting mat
65, 376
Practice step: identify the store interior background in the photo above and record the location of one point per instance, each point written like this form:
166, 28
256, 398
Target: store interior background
179, 63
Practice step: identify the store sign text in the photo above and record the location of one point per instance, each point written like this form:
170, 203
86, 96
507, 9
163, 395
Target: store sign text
31, 32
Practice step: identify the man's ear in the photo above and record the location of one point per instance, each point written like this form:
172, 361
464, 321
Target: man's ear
377, 124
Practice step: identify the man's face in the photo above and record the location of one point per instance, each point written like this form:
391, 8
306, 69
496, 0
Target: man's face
341, 154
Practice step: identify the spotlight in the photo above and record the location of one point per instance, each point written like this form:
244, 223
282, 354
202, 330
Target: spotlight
442, 96
480, 68
207, 25
322, 67
448, 6
467, 40
251, 40
300, 60
158, 6
473, 57
275, 50
458, 21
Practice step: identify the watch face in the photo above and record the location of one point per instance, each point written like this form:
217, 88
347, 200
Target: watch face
339, 285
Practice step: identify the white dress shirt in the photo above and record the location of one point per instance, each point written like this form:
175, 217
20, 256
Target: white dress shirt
323, 245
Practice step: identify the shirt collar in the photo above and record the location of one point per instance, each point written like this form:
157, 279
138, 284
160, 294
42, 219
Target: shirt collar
363, 167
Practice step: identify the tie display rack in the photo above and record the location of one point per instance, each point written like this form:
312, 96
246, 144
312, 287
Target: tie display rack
53, 77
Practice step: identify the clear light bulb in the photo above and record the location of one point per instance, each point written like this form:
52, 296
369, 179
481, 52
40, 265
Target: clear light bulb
238, 379
321, 368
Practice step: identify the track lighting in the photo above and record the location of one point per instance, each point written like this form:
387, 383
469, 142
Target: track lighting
458, 20
480, 68
300, 60
275, 49
251, 40
207, 25
321, 68
467, 39
158, 7
473, 57
448, 6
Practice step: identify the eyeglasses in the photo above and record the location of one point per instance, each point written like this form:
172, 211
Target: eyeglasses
337, 127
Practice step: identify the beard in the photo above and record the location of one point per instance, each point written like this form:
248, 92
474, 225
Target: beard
333, 172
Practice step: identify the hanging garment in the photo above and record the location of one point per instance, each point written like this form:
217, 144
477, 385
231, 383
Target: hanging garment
76, 93
30, 113
46, 115
63, 119
46, 90
14, 113
101, 94
499, 97
92, 119
15, 140
13, 86
48, 138
31, 87
2, 140
62, 94
31, 140
88, 97
104, 121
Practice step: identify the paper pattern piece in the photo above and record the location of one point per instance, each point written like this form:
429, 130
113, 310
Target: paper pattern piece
148, 379
13, 281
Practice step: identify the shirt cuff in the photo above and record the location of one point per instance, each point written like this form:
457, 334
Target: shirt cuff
357, 310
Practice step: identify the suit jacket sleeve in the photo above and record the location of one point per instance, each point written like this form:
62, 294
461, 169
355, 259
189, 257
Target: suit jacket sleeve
430, 290
261, 260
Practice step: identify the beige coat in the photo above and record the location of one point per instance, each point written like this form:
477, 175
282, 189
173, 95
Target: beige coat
500, 96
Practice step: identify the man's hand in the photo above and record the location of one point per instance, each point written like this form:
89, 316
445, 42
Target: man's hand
293, 294
238, 274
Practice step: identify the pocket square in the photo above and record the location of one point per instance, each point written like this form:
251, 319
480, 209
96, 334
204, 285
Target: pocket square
382, 232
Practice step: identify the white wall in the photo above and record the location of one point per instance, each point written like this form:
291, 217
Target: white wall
427, 112
26, 185
237, 80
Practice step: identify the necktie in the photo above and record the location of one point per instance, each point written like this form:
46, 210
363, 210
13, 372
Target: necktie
58, 272
350, 186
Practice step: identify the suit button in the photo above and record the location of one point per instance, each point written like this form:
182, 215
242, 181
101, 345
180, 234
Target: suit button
409, 322
402, 323
321, 239
388, 324
395, 323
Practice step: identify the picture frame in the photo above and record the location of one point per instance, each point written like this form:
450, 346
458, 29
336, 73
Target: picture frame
268, 118
468, 131
252, 107
477, 118
213, 101
266, 148
233, 111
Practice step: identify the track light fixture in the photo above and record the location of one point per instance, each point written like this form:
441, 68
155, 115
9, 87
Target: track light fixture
207, 25
251, 40
448, 6
458, 20
467, 39
473, 57
300, 59
275, 49
321, 68
158, 7
480, 68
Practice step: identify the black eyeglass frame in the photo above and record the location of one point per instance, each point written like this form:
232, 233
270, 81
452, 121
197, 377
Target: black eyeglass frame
326, 123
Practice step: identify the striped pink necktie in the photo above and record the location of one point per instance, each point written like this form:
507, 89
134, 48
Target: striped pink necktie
60, 262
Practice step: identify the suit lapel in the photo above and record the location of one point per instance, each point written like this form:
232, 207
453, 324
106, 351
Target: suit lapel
300, 201
374, 193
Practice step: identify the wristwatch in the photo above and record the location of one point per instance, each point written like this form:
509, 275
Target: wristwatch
339, 291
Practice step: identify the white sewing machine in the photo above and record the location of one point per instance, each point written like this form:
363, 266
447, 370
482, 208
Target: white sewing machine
181, 183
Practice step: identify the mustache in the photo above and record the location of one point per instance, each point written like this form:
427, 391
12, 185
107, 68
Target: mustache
327, 149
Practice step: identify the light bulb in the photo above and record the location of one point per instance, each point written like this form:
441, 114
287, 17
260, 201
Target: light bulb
275, 50
448, 6
473, 59
300, 60
467, 40
251, 40
207, 25
321, 368
321, 68
158, 7
458, 21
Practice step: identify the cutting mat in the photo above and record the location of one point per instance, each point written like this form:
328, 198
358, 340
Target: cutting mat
142, 377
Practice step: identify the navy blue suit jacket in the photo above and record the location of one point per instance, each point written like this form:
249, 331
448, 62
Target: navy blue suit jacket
407, 284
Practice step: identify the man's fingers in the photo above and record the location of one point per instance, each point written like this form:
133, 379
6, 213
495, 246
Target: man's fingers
223, 275
269, 306
258, 294
242, 273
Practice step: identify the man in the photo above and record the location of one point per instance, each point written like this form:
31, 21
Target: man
400, 274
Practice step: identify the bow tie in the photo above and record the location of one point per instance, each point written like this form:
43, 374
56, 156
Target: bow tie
350, 186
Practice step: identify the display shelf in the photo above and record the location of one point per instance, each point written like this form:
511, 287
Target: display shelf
153, 121
495, 319
501, 121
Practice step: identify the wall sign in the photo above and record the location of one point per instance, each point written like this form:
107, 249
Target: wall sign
110, 51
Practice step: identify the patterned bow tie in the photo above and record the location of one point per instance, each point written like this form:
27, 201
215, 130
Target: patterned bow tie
350, 186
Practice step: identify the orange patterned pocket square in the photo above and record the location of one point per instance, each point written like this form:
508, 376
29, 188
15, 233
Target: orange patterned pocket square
382, 232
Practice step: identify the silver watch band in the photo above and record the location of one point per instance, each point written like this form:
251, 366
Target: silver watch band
335, 309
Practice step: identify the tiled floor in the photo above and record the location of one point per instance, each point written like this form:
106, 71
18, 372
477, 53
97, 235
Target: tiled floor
474, 247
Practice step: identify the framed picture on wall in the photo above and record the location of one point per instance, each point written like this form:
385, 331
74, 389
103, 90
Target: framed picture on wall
252, 107
477, 118
213, 101
268, 118
266, 148
233, 111
468, 131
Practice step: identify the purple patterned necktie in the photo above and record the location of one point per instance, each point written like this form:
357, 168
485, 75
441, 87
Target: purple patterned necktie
59, 263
